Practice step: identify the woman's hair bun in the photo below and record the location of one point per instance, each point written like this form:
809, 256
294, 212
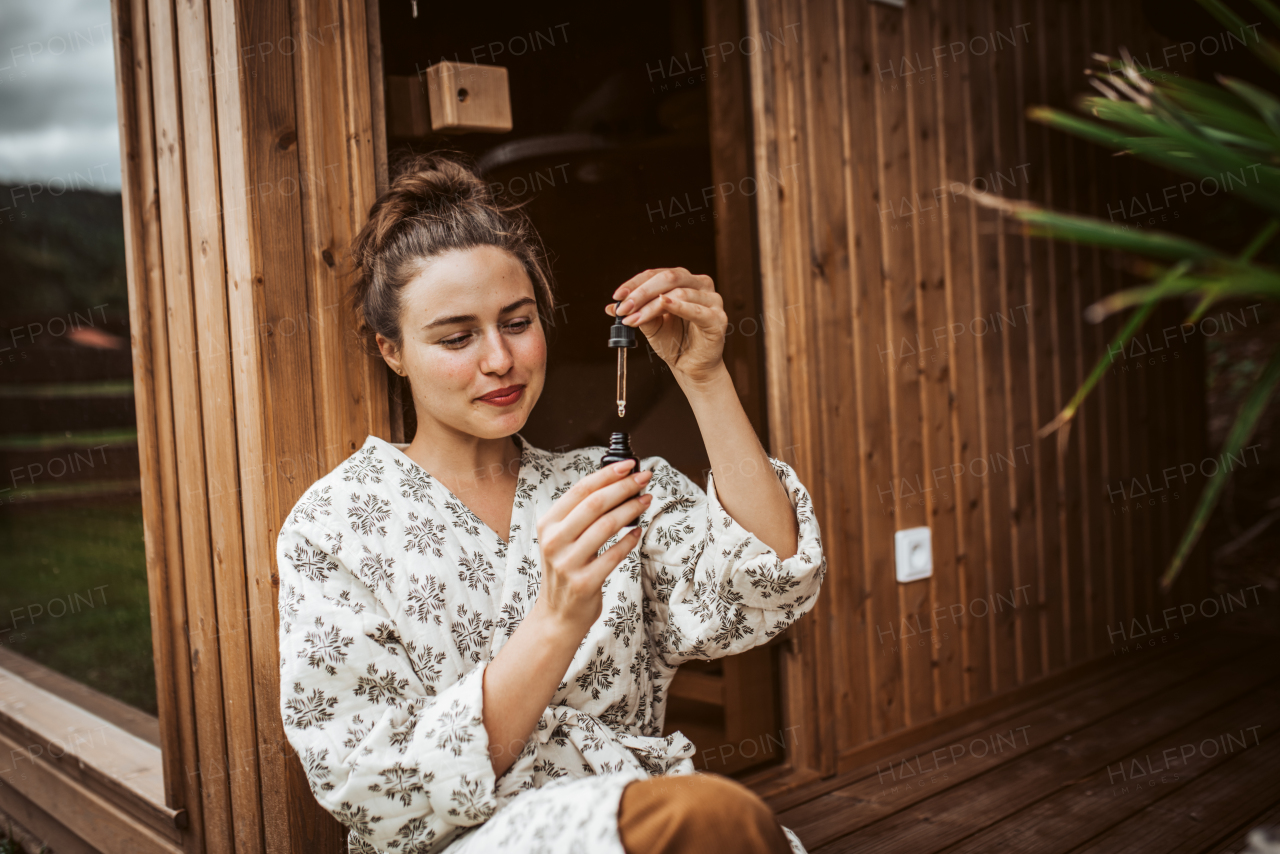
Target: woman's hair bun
426, 187
435, 180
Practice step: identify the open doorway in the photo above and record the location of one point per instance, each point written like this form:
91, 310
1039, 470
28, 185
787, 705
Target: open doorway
630, 149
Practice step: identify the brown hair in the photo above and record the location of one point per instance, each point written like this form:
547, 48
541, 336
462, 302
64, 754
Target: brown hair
438, 202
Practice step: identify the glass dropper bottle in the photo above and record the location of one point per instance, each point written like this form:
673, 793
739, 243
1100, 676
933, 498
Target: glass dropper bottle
622, 337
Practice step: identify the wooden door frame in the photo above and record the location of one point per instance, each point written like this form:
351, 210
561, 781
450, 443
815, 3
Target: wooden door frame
248, 165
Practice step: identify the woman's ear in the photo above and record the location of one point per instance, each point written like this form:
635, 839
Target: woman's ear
390, 353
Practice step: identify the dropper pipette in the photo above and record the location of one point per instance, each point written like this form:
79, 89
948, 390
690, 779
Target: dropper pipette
622, 381
622, 337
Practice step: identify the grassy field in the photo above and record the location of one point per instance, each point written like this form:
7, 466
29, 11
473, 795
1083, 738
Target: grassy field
73, 595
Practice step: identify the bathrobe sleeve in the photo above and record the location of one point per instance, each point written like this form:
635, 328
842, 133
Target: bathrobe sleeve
712, 588
391, 751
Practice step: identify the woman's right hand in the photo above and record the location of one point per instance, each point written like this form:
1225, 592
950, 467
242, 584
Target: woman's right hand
572, 532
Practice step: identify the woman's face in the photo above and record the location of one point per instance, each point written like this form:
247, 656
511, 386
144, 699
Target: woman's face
470, 327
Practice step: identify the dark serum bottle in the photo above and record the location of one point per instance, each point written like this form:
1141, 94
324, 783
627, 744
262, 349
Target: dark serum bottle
619, 450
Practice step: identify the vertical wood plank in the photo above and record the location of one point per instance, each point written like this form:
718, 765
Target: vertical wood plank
287, 405
1091, 347
1144, 433
362, 97
1103, 189
901, 323
201, 612
989, 271
830, 265
930, 284
873, 374
1167, 399
1065, 79
777, 107
1170, 402
333, 153
805, 305
238, 225
1000, 484
958, 139
144, 279
1016, 299
1129, 567
226, 549
377, 95
1046, 368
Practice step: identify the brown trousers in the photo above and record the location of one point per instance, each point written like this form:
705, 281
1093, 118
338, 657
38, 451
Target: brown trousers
697, 814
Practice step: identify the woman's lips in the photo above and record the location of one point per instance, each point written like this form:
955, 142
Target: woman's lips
503, 396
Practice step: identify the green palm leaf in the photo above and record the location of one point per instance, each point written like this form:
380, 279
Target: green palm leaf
1162, 288
1267, 106
1246, 420
1230, 133
1087, 229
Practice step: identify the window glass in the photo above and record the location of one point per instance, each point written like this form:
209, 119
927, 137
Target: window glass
73, 587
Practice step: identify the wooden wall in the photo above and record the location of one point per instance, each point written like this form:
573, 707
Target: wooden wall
927, 340
248, 166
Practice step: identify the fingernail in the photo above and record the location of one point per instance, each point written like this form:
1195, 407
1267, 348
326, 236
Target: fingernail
645, 499
622, 467
626, 306
642, 476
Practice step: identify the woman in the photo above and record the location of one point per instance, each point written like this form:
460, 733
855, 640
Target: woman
450, 688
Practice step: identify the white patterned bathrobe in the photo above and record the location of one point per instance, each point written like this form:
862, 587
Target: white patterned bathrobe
394, 596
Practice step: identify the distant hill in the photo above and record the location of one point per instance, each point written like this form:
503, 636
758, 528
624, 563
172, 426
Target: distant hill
61, 254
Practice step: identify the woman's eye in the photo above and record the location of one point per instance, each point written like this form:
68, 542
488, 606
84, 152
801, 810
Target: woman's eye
516, 326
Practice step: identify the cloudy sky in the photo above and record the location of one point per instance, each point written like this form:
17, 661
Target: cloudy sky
57, 93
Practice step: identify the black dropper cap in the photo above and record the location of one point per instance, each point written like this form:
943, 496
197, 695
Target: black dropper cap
621, 335
619, 450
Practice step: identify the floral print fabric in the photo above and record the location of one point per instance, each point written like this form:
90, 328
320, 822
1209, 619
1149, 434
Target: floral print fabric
394, 596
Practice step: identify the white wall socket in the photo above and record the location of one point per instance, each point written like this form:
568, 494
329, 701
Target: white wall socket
913, 553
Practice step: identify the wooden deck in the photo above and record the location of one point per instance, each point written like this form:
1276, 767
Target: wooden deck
1165, 749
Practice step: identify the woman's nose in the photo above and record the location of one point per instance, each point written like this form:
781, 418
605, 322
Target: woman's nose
496, 355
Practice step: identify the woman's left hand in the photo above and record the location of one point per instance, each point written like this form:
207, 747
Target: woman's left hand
680, 314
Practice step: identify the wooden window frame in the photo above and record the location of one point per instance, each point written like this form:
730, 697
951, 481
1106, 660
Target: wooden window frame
75, 778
